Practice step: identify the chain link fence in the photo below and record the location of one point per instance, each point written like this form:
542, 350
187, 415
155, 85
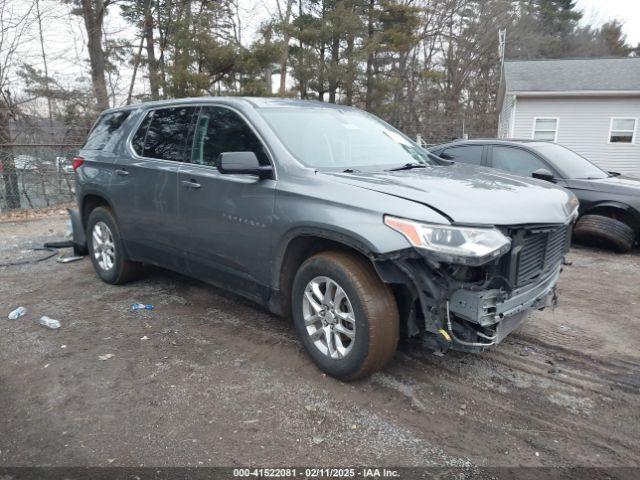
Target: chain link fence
40, 175
36, 175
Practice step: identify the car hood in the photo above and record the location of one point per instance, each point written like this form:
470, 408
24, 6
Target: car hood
621, 184
470, 195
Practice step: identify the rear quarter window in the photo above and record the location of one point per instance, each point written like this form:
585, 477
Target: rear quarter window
471, 154
106, 131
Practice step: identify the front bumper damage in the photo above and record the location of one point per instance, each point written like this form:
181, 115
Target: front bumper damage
495, 311
449, 314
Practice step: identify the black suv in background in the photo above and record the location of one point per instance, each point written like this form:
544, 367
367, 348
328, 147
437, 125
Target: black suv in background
609, 202
323, 213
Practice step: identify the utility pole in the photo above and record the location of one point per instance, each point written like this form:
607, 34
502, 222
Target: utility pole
502, 43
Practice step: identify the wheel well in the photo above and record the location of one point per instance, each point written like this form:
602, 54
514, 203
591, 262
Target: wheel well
298, 250
89, 203
617, 214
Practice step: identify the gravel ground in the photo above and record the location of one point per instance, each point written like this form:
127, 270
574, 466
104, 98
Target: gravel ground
207, 378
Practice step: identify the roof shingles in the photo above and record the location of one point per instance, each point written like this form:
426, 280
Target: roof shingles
589, 74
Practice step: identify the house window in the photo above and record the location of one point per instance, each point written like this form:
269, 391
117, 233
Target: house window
622, 130
545, 129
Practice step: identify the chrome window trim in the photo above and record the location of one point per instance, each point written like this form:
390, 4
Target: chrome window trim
199, 105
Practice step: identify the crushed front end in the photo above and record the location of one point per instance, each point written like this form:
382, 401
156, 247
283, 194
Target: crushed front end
474, 307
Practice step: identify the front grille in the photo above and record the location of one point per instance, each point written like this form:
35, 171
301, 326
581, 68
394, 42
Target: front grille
537, 252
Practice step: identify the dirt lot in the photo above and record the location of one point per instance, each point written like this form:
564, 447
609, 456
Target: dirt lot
207, 378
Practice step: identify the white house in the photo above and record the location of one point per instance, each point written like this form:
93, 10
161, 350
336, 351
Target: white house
589, 105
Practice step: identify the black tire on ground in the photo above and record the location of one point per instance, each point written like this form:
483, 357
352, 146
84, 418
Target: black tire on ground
374, 309
123, 270
604, 232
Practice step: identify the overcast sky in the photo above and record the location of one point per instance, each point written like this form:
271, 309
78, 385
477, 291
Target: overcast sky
597, 12
65, 38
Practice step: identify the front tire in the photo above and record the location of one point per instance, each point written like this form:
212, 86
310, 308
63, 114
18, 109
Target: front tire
604, 232
345, 316
106, 250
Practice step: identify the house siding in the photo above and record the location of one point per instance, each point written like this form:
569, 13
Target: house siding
584, 127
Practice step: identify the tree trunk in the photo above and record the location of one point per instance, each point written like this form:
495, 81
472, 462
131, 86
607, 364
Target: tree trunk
10, 179
370, 57
323, 50
303, 79
46, 68
351, 73
163, 32
268, 70
152, 63
333, 72
284, 53
182, 52
9, 174
93, 13
136, 64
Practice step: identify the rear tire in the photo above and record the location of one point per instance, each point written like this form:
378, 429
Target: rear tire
106, 250
367, 341
604, 232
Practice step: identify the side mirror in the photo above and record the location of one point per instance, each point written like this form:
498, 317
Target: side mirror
543, 174
243, 163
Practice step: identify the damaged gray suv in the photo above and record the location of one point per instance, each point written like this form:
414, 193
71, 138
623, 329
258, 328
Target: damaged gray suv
323, 213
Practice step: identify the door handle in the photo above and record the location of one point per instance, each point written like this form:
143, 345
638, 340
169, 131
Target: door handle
190, 184
122, 173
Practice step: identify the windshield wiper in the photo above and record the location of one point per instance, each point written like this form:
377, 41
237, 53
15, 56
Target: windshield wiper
407, 166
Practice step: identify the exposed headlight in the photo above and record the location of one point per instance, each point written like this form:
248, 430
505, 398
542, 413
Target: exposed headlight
464, 245
574, 215
572, 207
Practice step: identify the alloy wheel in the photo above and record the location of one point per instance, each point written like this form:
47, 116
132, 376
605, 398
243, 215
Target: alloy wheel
104, 250
328, 317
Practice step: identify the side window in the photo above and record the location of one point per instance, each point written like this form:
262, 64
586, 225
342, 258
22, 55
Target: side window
516, 161
466, 154
103, 135
222, 130
137, 142
166, 135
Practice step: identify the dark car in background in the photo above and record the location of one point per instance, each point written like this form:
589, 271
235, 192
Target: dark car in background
609, 202
323, 213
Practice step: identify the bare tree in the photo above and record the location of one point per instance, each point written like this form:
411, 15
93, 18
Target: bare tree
285, 21
44, 60
136, 64
13, 28
93, 12
152, 63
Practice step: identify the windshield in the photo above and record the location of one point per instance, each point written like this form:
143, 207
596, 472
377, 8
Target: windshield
333, 138
569, 162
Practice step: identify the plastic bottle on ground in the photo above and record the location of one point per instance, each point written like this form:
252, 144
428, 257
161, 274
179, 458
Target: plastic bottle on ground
49, 322
141, 306
17, 313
